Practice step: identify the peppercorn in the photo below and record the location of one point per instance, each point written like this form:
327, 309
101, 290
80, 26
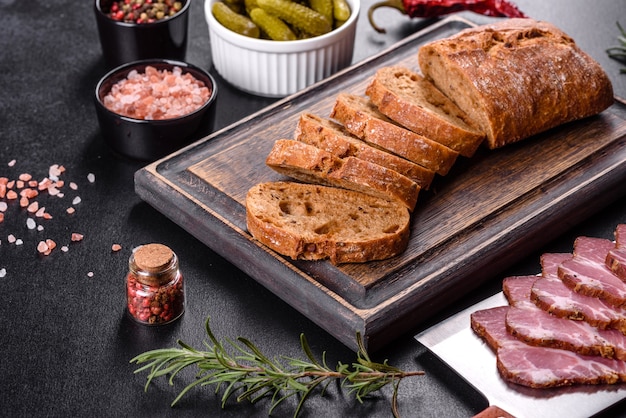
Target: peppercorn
154, 285
142, 11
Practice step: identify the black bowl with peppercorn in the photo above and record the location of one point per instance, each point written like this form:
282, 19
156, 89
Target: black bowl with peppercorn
132, 30
150, 108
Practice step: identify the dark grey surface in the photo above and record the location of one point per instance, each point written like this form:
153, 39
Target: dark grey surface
65, 339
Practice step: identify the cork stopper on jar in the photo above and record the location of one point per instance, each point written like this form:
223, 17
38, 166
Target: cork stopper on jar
153, 258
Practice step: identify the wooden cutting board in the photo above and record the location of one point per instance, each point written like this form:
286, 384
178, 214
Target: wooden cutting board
487, 213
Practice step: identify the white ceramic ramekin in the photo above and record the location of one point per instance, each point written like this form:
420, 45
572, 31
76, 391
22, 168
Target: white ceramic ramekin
279, 68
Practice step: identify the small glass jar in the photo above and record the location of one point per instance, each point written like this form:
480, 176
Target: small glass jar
154, 285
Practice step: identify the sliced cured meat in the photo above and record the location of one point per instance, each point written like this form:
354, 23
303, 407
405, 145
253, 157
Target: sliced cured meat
552, 295
516, 289
587, 273
620, 236
616, 262
541, 367
531, 324
550, 263
616, 258
535, 326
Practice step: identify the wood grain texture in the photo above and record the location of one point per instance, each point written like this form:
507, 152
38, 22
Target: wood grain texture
488, 212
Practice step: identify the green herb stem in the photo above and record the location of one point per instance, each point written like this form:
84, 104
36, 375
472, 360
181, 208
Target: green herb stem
250, 375
619, 52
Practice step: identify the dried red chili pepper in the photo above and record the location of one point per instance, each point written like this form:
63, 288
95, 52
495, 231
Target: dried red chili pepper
434, 8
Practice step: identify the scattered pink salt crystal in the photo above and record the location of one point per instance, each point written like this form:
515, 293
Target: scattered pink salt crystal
33, 207
55, 171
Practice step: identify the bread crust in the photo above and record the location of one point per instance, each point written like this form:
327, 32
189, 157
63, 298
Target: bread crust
361, 118
332, 137
408, 99
295, 220
313, 165
516, 78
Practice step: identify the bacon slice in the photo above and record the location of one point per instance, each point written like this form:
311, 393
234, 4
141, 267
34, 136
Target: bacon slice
535, 326
541, 367
586, 272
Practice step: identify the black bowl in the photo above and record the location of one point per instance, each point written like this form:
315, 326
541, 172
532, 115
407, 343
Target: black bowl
150, 139
123, 42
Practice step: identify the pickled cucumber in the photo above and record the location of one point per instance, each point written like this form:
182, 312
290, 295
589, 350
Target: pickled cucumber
234, 21
323, 7
297, 15
341, 10
236, 6
249, 5
275, 28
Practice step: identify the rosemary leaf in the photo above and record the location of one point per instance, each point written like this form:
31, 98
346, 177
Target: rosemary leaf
619, 52
249, 375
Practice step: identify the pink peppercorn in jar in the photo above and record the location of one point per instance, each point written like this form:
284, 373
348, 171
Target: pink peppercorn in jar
154, 285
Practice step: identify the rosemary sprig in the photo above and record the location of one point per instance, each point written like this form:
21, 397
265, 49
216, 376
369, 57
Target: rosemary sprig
619, 52
253, 376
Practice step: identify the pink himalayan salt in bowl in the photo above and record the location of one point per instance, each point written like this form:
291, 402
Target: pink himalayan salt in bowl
148, 109
156, 94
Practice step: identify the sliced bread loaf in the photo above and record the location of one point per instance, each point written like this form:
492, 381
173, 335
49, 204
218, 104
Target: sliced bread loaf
315, 222
332, 137
516, 78
361, 118
313, 165
408, 99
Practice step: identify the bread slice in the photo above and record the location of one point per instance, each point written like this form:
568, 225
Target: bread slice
332, 137
408, 99
313, 165
362, 119
516, 78
315, 222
